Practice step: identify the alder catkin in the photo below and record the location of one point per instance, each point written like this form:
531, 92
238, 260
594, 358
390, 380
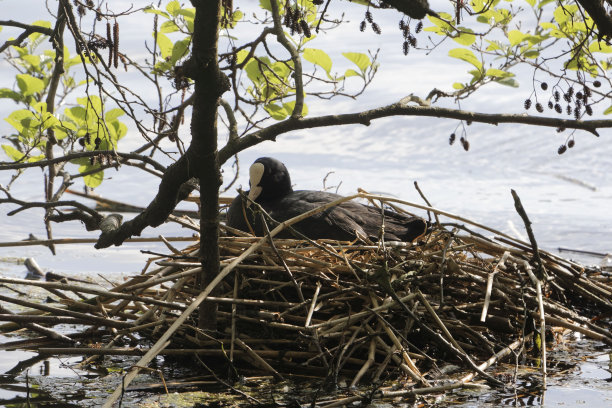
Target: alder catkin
109, 40
116, 44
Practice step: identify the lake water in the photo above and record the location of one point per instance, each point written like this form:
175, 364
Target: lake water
568, 198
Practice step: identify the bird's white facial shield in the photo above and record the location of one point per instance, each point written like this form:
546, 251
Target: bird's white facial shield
256, 172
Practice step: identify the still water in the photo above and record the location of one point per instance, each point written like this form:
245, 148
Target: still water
568, 198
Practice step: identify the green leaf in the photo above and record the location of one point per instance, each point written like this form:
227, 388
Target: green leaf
466, 55
289, 106
565, 13
92, 180
439, 22
9, 93
155, 10
531, 54
600, 46
241, 55
253, 71
544, 2
22, 120
466, 36
77, 114
29, 85
508, 82
515, 37
275, 111
70, 62
265, 4
531, 2
458, 85
168, 27
361, 60
180, 48
120, 130
165, 45
113, 114
498, 73
93, 102
33, 60
608, 111
351, 72
40, 23
318, 57
187, 13
173, 8
13, 153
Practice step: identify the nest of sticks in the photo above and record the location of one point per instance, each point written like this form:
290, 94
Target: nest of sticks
361, 311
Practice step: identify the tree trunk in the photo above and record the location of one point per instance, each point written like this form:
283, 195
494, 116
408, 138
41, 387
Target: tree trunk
210, 83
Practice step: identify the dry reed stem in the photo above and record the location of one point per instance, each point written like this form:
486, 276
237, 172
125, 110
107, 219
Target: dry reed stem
327, 330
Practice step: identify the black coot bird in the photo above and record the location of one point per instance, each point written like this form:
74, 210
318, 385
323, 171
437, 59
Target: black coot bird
271, 188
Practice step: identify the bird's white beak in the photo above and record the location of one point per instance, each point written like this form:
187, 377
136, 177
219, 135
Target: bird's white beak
255, 174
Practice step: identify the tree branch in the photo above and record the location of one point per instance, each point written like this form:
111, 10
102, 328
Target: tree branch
402, 109
78, 155
175, 185
295, 57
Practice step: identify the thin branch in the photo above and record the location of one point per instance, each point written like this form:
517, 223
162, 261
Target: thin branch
402, 109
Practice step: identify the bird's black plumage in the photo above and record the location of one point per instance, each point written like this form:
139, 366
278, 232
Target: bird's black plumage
271, 188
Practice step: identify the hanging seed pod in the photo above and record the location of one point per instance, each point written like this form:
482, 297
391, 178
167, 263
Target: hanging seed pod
562, 149
376, 28
570, 91
406, 47
544, 86
596, 84
109, 41
413, 41
571, 143
296, 26
97, 141
82, 141
560, 129
451, 139
567, 97
419, 27
81, 10
465, 144
577, 112
557, 96
578, 104
317, 2
587, 92
588, 109
568, 109
579, 95
550, 105
362, 26
116, 44
402, 25
90, 4
539, 107
87, 138
305, 28
468, 122
368, 16
558, 108
527, 104
288, 17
